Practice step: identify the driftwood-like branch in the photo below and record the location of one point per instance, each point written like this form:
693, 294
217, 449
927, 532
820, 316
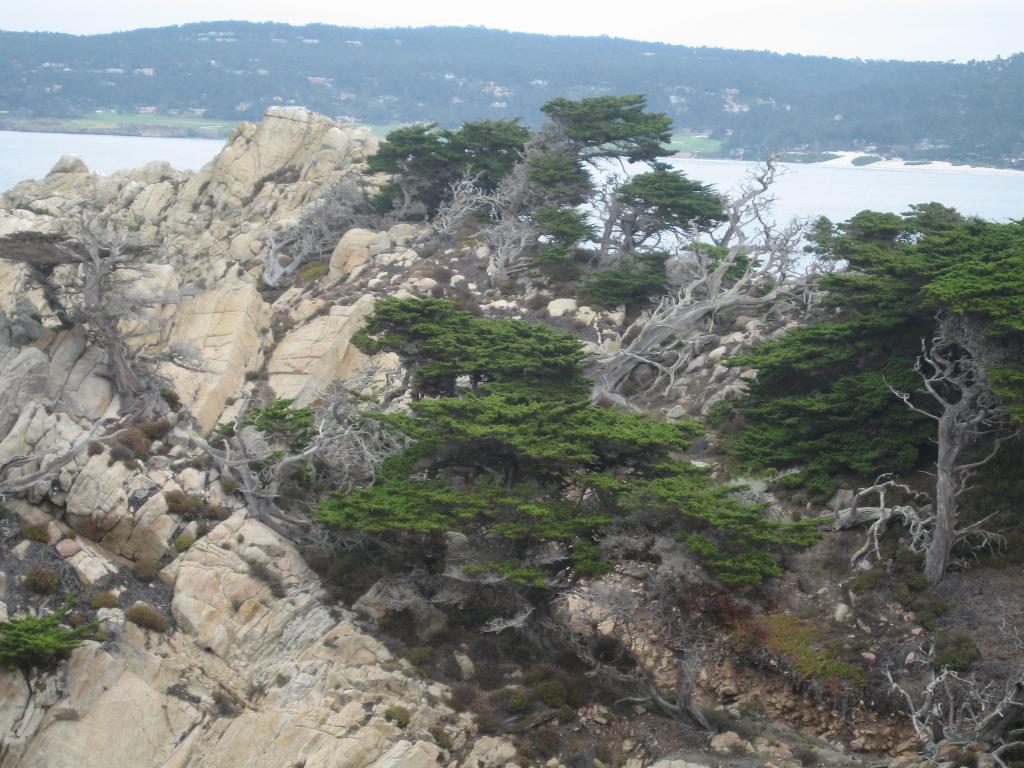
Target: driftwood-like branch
758, 268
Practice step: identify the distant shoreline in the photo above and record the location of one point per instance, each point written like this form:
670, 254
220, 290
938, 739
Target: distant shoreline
695, 147
156, 130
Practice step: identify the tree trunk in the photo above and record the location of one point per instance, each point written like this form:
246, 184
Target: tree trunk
936, 558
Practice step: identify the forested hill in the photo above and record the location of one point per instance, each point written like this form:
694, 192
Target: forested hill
754, 101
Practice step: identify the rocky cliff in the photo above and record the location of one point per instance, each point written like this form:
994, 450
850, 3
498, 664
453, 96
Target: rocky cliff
257, 665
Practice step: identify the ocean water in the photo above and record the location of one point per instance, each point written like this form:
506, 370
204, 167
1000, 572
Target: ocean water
836, 191
31, 155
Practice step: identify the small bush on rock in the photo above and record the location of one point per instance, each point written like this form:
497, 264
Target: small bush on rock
148, 617
40, 533
42, 580
398, 715
36, 641
103, 600
183, 542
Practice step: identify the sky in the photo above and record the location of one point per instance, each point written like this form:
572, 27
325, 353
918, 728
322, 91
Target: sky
940, 30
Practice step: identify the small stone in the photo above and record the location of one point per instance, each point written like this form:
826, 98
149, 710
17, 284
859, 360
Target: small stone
869, 657
841, 612
67, 548
910, 659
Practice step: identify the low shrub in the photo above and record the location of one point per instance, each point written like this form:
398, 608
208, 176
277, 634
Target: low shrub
311, 272
148, 617
462, 697
157, 429
180, 503
547, 741
183, 542
398, 715
808, 756
442, 739
40, 533
103, 600
134, 439
956, 652
551, 692
95, 448
263, 572
42, 580
512, 701
228, 483
36, 641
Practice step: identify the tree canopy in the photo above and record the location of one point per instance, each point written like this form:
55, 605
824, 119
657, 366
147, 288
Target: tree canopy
506, 444
822, 398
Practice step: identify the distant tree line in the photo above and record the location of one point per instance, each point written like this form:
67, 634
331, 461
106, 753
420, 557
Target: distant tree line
755, 102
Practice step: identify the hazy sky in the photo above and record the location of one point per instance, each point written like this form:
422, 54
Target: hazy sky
904, 29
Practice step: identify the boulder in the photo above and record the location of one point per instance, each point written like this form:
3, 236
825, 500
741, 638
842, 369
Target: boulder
69, 164
355, 248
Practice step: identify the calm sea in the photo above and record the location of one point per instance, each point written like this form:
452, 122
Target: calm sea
803, 190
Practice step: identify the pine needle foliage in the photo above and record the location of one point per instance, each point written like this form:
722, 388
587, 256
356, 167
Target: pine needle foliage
36, 641
506, 445
822, 397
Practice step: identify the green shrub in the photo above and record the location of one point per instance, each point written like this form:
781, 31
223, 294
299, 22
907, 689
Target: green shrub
183, 542
514, 702
42, 580
632, 283
279, 420
40, 533
36, 641
180, 503
440, 737
103, 600
148, 617
311, 272
398, 715
547, 741
956, 652
551, 692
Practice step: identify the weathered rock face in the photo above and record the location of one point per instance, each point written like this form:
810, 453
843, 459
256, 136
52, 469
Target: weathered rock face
259, 672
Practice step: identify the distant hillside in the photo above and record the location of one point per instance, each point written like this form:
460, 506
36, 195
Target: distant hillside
754, 102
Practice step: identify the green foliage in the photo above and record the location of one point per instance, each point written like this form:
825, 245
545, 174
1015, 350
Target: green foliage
633, 282
663, 201
103, 600
36, 641
279, 421
612, 126
822, 397
956, 652
563, 229
806, 649
427, 160
148, 617
551, 692
398, 715
183, 542
561, 176
40, 533
505, 443
514, 702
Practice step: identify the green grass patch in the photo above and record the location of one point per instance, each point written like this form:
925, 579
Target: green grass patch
695, 144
